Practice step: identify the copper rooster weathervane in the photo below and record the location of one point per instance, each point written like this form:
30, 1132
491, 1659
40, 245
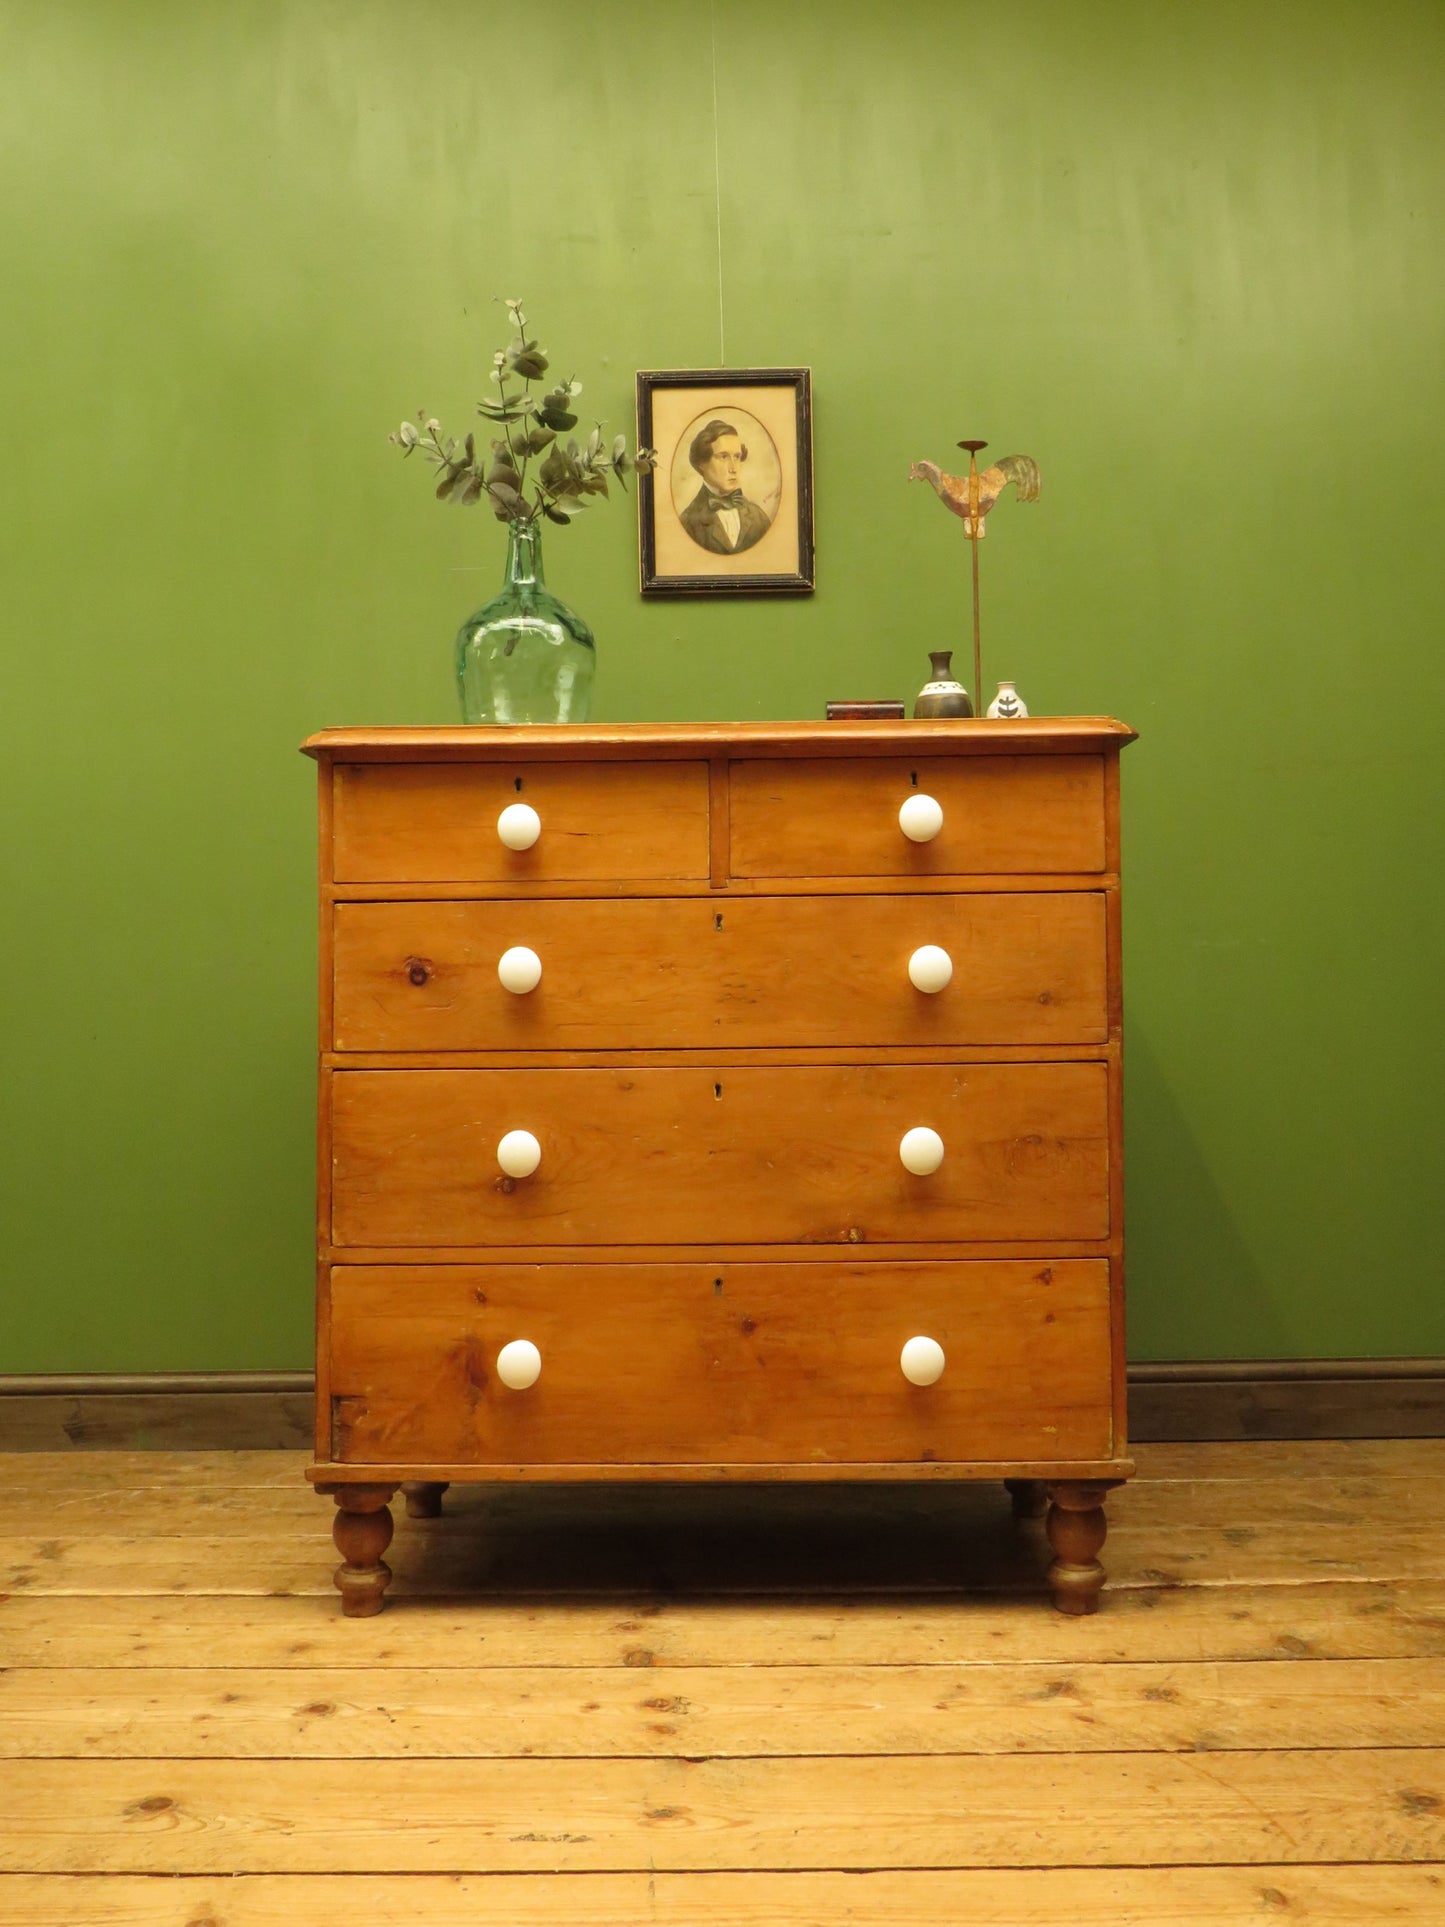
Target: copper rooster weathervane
971, 497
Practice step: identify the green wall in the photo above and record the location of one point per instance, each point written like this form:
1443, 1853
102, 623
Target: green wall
1189, 257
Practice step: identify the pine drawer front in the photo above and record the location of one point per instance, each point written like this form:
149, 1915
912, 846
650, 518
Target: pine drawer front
1002, 816
745, 972
721, 1363
741, 1155
600, 822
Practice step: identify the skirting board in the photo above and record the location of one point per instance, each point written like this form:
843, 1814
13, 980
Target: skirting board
1339, 1398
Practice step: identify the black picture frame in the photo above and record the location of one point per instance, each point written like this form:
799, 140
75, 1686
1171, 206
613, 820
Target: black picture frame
771, 412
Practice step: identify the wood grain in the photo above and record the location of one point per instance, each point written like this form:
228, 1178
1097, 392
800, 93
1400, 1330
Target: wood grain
425, 822
680, 1156
603, 742
1260, 1896
559, 1816
1028, 814
1209, 1750
723, 1712
655, 1363
775, 972
1310, 1621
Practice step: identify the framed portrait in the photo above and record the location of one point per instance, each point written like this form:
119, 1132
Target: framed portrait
728, 509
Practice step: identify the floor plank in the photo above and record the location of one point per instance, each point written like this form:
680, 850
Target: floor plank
563, 1552
1262, 1896
568, 1816
1331, 1620
1267, 1503
720, 1711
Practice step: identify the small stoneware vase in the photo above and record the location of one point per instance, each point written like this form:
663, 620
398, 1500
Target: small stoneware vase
1007, 706
943, 694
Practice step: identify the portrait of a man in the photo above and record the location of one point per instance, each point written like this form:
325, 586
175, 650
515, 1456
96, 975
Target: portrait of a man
721, 518
726, 505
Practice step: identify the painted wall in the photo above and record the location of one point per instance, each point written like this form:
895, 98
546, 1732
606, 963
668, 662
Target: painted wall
1189, 257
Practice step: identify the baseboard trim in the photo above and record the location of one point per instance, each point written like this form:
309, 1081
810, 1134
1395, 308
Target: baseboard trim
1288, 1398
1299, 1398
156, 1411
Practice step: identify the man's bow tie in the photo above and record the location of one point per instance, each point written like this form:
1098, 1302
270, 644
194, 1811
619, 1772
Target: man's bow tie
733, 501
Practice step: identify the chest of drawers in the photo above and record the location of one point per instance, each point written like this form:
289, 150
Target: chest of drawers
720, 1101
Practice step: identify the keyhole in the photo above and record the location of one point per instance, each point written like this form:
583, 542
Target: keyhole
912, 777
717, 1287
717, 921
517, 783
717, 1090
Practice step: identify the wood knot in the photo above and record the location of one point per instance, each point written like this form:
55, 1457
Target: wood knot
639, 1656
154, 1803
1419, 1800
506, 1186
417, 970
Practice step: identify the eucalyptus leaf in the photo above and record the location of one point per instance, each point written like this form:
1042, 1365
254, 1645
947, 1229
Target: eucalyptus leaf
554, 470
502, 474
408, 437
505, 497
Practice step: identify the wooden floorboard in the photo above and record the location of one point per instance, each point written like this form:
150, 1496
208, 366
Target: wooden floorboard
725, 1708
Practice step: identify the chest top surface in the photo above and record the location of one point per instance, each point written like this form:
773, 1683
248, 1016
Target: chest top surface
1057, 735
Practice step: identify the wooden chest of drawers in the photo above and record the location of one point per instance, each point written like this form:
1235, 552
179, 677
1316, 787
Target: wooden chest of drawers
707, 1102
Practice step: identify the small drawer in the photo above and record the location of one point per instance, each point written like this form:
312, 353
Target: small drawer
766, 972
1002, 816
720, 1364
743, 1155
599, 822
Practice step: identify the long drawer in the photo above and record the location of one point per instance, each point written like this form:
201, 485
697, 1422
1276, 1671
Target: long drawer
740, 1364
763, 971
734, 1156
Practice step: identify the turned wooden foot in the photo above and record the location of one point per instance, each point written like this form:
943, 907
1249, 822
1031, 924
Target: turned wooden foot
1030, 1500
423, 1498
362, 1530
1076, 1528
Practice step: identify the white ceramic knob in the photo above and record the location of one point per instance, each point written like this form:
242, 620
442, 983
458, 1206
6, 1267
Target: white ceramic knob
922, 1361
929, 968
920, 818
519, 826
520, 1363
519, 1154
520, 969
921, 1151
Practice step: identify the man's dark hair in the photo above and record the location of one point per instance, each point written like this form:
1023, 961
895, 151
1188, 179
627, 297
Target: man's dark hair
702, 442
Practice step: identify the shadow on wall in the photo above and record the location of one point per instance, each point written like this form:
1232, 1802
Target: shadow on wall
1190, 1273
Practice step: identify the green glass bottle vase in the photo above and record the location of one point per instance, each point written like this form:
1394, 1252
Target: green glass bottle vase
525, 657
